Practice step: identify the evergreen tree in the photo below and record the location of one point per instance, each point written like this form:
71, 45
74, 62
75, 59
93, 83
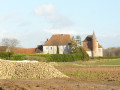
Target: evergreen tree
78, 40
57, 50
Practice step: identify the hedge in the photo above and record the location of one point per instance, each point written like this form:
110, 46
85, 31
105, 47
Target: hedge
6, 55
17, 57
48, 57
61, 58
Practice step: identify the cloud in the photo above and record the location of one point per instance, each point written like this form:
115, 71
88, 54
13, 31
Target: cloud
45, 10
61, 31
10, 15
50, 13
2, 33
2, 18
25, 23
13, 17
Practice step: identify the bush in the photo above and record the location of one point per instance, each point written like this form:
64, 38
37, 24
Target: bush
80, 53
52, 57
46, 57
6, 55
67, 57
77, 56
28, 57
61, 58
17, 57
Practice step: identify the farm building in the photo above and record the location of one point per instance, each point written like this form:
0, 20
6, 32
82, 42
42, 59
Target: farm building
61, 41
92, 46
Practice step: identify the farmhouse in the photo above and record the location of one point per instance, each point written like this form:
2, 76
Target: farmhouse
92, 46
59, 41
64, 42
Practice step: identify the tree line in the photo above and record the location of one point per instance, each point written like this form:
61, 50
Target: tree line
115, 51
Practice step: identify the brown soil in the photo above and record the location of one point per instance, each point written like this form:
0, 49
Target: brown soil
54, 84
110, 80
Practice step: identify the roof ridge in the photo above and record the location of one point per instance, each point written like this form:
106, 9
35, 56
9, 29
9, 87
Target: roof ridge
59, 39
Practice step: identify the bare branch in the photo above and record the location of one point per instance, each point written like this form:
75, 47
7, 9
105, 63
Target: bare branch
9, 42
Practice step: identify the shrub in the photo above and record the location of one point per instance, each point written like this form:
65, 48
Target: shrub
17, 57
48, 57
67, 57
78, 56
81, 53
61, 58
6, 55
28, 57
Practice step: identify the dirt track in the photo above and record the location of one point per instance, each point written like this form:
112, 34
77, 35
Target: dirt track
110, 81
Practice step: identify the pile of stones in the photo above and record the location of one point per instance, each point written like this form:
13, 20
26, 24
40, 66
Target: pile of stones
28, 70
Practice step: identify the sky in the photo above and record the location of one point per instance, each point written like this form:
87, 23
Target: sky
33, 21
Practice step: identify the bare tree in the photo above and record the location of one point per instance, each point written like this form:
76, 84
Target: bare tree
115, 51
10, 43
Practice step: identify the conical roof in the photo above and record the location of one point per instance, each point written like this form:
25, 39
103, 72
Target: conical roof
94, 36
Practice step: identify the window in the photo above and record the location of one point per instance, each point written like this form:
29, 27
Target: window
47, 47
64, 47
68, 46
51, 48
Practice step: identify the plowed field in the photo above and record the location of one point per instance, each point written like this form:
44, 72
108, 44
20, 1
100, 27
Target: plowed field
81, 78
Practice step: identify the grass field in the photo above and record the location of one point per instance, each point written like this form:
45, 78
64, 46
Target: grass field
97, 71
101, 62
108, 62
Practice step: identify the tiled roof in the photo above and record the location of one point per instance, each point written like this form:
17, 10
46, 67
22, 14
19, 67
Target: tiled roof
88, 38
59, 39
87, 43
21, 50
87, 49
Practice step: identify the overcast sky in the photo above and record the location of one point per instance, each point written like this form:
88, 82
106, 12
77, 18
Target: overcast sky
33, 21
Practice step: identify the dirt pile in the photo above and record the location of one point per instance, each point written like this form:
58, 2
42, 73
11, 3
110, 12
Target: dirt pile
28, 70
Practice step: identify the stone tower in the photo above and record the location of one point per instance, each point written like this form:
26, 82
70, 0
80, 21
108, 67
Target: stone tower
94, 45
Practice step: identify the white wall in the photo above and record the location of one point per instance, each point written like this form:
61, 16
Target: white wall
63, 49
100, 52
89, 53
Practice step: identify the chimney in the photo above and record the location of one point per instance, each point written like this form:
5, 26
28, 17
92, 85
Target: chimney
47, 39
